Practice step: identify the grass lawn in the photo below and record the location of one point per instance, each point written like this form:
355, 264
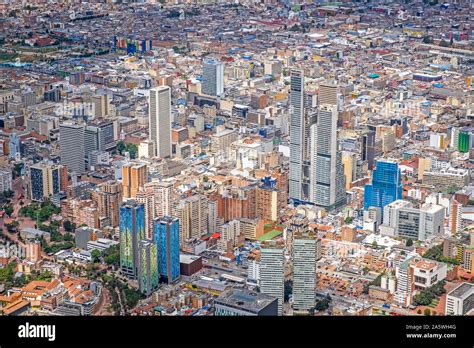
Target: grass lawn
269, 235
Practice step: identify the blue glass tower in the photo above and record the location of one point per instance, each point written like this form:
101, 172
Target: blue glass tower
132, 231
386, 185
167, 239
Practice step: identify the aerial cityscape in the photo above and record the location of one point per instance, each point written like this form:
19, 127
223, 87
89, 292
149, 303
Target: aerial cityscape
236, 158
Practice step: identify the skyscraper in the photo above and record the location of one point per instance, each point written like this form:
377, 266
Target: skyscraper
108, 197
302, 116
132, 231
368, 148
72, 147
213, 78
193, 217
327, 187
134, 177
147, 198
455, 217
304, 270
272, 276
160, 120
163, 192
148, 276
45, 181
297, 131
386, 185
94, 140
167, 239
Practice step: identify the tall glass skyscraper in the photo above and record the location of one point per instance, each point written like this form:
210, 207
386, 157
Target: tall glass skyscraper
167, 239
132, 231
386, 185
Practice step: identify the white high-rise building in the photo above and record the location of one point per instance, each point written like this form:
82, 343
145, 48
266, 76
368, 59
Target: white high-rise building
5, 180
146, 149
304, 271
72, 147
160, 120
163, 198
253, 271
230, 233
401, 219
213, 78
212, 217
272, 277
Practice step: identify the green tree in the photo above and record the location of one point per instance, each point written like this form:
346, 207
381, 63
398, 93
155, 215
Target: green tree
121, 147
323, 304
68, 226
132, 150
8, 209
348, 220
427, 40
452, 189
95, 254
409, 242
444, 43
419, 311
427, 312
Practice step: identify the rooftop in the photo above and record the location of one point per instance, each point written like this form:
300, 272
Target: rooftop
463, 290
245, 299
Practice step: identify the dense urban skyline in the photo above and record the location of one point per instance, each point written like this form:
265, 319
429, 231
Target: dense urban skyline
236, 158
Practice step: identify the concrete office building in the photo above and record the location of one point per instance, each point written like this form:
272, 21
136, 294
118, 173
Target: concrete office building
213, 78
243, 302
304, 271
272, 277
160, 120
45, 181
82, 236
5, 180
72, 147
460, 301
402, 220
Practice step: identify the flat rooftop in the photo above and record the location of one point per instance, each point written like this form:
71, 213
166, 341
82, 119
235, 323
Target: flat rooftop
462, 290
245, 299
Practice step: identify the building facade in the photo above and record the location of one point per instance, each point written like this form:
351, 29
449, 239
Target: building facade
160, 120
167, 239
